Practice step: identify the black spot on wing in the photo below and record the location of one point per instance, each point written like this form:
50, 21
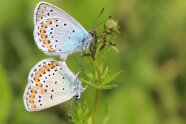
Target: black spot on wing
55, 82
51, 96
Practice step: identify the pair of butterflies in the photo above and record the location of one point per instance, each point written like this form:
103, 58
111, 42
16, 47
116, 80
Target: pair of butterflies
50, 82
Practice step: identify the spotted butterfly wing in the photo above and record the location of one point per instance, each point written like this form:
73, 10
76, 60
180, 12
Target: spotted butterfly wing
50, 83
57, 33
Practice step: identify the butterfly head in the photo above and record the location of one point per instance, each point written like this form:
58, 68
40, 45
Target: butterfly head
87, 41
79, 89
91, 34
78, 93
77, 96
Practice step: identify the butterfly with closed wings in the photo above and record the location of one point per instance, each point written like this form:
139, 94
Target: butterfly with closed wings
57, 33
50, 83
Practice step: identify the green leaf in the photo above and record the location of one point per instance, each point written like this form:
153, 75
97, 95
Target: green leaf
106, 116
88, 82
115, 48
97, 71
108, 86
5, 95
89, 120
90, 76
80, 114
98, 50
105, 73
110, 78
101, 68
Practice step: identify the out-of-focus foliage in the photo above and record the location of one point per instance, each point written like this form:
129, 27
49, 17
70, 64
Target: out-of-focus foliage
152, 53
80, 113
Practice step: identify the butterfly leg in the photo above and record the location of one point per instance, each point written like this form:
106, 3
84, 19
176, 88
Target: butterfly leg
86, 54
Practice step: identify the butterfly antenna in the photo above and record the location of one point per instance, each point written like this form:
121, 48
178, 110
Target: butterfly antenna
98, 17
103, 21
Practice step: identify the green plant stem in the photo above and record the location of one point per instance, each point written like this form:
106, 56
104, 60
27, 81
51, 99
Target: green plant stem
97, 91
96, 98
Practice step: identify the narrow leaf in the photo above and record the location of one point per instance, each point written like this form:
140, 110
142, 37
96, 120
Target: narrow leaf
98, 50
88, 82
109, 86
105, 72
115, 48
98, 72
110, 78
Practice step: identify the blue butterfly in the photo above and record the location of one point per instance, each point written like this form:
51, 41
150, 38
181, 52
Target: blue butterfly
50, 83
57, 33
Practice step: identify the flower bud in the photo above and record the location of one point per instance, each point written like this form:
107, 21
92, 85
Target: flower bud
111, 26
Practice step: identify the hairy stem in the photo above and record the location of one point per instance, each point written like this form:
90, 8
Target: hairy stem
96, 98
97, 91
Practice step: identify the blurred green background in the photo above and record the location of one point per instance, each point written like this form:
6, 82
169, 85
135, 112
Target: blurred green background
152, 45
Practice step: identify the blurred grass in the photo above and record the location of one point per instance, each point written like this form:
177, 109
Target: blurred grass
152, 48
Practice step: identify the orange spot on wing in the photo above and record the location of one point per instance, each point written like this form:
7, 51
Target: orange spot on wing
53, 65
33, 91
42, 70
43, 90
43, 26
49, 22
33, 106
43, 37
39, 73
42, 31
31, 95
40, 12
50, 49
36, 79
39, 16
31, 100
47, 67
46, 42
39, 85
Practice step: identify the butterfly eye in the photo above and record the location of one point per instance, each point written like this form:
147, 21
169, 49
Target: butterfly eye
77, 96
91, 33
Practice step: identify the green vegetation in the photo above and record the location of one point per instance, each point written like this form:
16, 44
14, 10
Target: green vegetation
151, 42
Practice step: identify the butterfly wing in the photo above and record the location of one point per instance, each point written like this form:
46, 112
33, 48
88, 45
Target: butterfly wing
49, 83
56, 32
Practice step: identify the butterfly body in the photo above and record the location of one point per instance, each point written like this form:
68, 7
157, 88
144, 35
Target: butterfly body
50, 83
57, 33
